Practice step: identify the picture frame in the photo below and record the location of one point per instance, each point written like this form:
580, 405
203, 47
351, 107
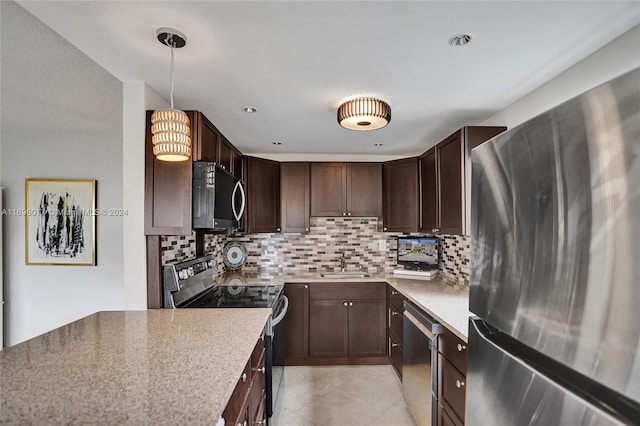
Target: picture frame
60, 222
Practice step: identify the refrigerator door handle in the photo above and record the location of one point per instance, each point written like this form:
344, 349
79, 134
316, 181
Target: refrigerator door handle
585, 391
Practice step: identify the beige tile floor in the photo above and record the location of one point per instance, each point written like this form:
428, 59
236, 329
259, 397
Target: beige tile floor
367, 395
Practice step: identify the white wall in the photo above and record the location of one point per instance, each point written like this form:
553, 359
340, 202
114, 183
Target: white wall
40, 298
137, 98
62, 118
614, 59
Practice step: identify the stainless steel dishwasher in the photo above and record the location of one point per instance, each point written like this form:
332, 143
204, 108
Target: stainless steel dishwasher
419, 368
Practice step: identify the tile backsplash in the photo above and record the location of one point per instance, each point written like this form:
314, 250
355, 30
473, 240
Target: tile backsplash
360, 239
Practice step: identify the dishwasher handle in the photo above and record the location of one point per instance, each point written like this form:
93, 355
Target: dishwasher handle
427, 325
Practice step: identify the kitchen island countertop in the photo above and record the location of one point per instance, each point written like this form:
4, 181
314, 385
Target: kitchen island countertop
130, 367
446, 300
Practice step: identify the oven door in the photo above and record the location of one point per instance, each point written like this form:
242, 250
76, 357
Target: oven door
275, 353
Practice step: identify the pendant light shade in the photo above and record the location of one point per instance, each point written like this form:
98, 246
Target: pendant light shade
170, 128
364, 114
171, 135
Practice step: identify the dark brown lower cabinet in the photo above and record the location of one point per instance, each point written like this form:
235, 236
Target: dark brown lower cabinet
296, 322
452, 386
367, 331
345, 323
395, 309
247, 405
328, 328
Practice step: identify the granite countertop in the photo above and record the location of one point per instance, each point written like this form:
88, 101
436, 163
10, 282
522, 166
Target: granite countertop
445, 300
134, 367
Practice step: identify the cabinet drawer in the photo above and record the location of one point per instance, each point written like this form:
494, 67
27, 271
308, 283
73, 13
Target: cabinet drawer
395, 322
452, 387
347, 291
395, 298
258, 352
445, 419
454, 349
236, 404
395, 355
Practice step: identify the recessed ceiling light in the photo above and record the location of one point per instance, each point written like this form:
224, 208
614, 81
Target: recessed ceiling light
250, 109
459, 40
276, 143
378, 144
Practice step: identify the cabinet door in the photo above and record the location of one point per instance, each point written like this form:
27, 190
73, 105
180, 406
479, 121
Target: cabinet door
263, 195
225, 154
367, 331
428, 192
296, 322
450, 157
167, 196
205, 138
364, 189
295, 196
328, 189
328, 328
237, 164
400, 195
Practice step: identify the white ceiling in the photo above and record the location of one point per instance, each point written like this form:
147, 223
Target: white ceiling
295, 61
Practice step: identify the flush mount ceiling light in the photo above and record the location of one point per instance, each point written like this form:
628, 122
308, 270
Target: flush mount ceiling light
170, 127
459, 40
364, 114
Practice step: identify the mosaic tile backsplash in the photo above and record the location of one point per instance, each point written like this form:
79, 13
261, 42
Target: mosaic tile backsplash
319, 251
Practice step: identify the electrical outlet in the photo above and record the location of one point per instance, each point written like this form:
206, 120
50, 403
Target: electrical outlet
382, 245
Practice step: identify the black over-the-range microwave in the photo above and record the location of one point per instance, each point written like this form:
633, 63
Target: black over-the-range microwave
218, 198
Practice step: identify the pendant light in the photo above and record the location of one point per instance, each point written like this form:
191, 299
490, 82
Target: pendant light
364, 114
170, 128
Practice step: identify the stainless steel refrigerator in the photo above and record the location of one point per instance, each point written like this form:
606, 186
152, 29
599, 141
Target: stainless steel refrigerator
555, 266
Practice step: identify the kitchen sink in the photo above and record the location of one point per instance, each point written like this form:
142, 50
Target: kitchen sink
344, 275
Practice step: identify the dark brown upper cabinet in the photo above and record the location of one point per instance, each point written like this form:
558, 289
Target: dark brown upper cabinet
400, 195
295, 196
238, 163
346, 189
444, 176
364, 189
167, 195
263, 195
205, 138
225, 154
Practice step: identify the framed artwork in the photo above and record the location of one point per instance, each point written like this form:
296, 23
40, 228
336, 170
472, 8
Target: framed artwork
60, 222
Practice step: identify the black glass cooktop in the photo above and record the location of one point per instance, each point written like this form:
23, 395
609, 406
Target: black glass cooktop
236, 296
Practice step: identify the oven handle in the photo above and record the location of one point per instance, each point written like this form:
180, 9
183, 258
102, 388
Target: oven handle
281, 315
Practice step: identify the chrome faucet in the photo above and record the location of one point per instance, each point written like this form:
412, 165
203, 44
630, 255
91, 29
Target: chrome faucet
343, 262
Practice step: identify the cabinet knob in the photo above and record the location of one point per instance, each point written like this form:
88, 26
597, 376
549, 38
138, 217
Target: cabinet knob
350, 303
306, 286
278, 229
349, 214
261, 422
394, 345
384, 229
459, 384
393, 313
461, 347
345, 304
244, 377
260, 370
306, 229
393, 292
344, 213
